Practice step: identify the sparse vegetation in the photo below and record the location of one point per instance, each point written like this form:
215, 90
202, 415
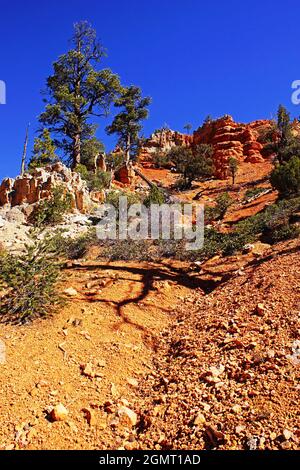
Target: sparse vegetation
30, 281
193, 164
286, 177
51, 211
155, 196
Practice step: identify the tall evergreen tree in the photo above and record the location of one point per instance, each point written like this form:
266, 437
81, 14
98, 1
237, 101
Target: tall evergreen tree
127, 123
43, 151
77, 92
287, 144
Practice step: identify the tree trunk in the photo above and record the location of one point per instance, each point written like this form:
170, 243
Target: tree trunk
23, 163
128, 149
76, 151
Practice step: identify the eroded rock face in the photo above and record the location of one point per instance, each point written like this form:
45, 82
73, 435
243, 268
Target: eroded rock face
232, 139
228, 138
31, 188
163, 141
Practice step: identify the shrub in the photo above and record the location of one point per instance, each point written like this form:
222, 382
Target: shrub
253, 192
223, 202
161, 159
72, 248
193, 164
82, 170
155, 196
95, 181
286, 177
51, 211
30, 281
112, 197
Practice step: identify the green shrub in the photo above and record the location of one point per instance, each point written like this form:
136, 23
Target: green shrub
223, 202
95, 181
72, 248
155, 196
82, 170
98, 181
286, 177
161, 159
253, 192
112, 197
30, 281
51, 211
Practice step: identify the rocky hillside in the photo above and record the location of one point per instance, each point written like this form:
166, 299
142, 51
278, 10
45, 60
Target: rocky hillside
228, 138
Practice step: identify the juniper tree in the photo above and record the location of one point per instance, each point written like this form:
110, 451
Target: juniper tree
193, 164
77, 92
127, 123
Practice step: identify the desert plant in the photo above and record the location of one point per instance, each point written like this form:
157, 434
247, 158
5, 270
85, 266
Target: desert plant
30, 281
253, 192
51, 211
155, 196
193, 164
286, 177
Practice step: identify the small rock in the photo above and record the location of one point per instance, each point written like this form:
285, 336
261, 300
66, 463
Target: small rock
260, 309
59, 413
127, 416
71, 292
133, 382
199, 419
237, 409
89, 416
287, 434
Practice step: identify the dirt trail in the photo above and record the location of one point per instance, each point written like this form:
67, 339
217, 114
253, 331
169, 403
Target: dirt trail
112, 326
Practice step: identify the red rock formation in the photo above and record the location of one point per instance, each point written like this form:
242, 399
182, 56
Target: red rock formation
162, 141
228, 138
31, 188
125, 175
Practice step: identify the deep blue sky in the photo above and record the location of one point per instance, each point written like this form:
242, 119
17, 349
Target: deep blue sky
193, 57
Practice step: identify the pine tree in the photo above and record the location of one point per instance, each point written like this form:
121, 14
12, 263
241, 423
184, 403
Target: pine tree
127, 124
287, 145
188, 127
43, 151
77, 91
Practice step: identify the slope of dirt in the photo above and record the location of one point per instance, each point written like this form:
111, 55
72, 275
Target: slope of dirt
227, 372
89, 357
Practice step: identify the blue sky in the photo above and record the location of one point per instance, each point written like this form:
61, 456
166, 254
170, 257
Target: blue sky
192, 57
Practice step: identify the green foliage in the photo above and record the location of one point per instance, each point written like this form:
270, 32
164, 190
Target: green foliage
100, 180
43, 151
77, 91
115, 160
72, 248
285, 144
193, 164
95, 181
112, 197
51, 211
286, 177
223, 202
30, 281
83, 171
127, 123
90, 148
253, 192
155, 196
161, 159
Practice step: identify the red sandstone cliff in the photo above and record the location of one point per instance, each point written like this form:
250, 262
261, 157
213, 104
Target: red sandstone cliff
228, 138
